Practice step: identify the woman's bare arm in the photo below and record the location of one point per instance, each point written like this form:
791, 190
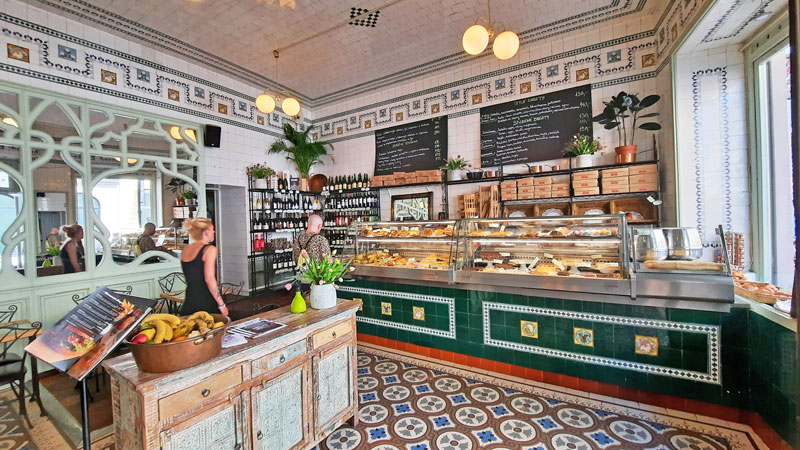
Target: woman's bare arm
210, 273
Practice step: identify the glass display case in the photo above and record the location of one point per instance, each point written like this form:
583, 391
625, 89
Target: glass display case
405, 250
173, 238
565, 253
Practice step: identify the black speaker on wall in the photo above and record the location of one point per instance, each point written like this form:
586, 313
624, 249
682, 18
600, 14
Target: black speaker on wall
212, 136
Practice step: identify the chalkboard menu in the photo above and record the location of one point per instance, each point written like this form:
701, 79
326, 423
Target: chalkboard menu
534, 128
408, 148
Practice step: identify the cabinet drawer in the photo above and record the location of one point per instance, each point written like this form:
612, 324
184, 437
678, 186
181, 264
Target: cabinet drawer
194, 395
279, 358
331, 333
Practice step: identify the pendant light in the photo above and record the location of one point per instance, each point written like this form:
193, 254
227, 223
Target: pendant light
266, 103
476, 38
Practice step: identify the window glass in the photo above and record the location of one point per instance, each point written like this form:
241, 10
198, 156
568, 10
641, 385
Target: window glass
775, 104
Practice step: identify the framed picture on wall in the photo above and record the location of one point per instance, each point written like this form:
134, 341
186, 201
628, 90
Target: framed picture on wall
410, 207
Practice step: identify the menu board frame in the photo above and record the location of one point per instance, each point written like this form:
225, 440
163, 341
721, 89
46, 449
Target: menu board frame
399, 144
541, 126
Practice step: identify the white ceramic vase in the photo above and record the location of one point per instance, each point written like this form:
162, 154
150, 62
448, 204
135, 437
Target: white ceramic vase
582, 161
260, 183
323, 296
454, 175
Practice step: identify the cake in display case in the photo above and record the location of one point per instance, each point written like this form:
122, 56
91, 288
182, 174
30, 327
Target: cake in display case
568, 253
405, 250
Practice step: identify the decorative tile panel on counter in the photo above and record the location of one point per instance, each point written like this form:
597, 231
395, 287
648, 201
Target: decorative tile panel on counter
401, 311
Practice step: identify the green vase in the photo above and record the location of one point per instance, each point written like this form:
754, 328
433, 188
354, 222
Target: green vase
298, 304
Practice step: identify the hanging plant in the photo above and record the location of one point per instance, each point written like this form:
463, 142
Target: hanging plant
304, 153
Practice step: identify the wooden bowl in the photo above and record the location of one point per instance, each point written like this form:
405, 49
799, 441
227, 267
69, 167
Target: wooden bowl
173, 356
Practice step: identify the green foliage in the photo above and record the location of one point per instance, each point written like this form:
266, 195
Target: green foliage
583, 145
300, 150
456, 163
53, 250
623, 113
323, 270
259, 171
175, 185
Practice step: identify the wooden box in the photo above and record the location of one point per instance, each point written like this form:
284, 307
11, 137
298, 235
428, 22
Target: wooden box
524, 209
580, 208
645, 168
543, 181
640, 205
615, 181
587, 175
471, 205
525, 182
489, 197
643, 187
615, 172
586, 191
644, 178
579, 184
620, 189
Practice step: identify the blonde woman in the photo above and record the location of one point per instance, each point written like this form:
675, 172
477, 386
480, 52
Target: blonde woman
199, 262
72, 251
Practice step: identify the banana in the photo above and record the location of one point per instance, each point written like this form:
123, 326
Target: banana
202, 315
201, 326
182, 330
168, 318
170, 332
217, 325
161, 331
149, 332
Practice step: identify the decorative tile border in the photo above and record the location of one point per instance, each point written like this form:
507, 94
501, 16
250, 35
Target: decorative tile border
710, 36
711, 331
449, 301
721, 75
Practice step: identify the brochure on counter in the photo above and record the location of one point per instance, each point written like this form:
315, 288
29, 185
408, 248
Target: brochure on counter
80, 340
254, 328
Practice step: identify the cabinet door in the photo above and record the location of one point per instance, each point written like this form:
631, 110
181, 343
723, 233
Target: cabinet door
280, 411
218, 428
333, 387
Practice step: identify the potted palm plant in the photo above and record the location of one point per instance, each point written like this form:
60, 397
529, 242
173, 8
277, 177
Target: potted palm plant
623, 112
454, 167
322, 274
303, 152
582, 148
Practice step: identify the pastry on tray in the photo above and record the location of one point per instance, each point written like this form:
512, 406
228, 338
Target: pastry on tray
479, 233
501, 234
427, 232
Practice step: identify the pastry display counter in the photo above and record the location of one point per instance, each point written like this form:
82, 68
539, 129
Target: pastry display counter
563, 253
405, 250
576, 257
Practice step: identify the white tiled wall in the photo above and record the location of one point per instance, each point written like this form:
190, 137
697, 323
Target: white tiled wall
712, 164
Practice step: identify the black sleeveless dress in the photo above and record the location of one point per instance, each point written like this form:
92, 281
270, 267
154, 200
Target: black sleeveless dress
68, 267
198, 297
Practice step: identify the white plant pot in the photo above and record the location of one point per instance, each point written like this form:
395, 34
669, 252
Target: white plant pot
323, 296
454, 175
582, 161
260, 183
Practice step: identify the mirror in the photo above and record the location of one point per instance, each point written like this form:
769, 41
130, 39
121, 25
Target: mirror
412, 206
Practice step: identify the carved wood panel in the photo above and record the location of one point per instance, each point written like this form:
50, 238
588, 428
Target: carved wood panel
333, 378
278, 421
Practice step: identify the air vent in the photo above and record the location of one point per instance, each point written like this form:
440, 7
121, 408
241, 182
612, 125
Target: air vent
368, 20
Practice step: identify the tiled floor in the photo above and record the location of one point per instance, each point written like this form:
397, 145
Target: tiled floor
413, 403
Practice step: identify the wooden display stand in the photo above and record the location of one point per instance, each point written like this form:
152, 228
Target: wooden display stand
287, 390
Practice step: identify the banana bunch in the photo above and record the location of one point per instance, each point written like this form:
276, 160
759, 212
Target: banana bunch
158, 328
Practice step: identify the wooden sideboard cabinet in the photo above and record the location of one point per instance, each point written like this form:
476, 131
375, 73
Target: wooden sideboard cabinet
287, 390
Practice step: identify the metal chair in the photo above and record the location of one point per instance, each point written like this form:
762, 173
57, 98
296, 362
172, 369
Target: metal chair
231, 288
174, 285
258, 309
8, 316
78, 298
12, 366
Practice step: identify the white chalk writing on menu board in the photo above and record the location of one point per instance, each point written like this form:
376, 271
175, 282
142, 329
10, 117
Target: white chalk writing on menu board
416, 146
535, 128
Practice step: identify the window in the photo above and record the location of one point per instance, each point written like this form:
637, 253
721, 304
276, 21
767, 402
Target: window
773, 168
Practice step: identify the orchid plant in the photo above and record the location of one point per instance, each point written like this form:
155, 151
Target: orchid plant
259, 171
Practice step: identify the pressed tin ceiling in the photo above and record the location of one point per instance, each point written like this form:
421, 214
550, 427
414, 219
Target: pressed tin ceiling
236, 37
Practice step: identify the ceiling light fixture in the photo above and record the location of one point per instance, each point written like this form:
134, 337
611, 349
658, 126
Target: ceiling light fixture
10, 121
266, 103
476, 38
175, 132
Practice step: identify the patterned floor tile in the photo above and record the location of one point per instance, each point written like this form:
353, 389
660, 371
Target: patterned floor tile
413, 404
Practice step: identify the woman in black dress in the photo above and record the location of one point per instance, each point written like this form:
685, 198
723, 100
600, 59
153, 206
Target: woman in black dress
199, 261
72, 251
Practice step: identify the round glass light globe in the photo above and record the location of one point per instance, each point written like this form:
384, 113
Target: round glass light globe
505, 45
475, 40
290, 106
265, 103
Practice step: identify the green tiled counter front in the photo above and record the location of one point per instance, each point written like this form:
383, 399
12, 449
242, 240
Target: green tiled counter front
708, 356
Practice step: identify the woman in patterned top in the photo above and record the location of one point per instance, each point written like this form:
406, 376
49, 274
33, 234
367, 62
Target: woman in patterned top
311, 241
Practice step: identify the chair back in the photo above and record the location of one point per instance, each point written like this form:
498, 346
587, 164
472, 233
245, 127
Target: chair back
127, 290
8, 316
231, 288
168, 282
11, 332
